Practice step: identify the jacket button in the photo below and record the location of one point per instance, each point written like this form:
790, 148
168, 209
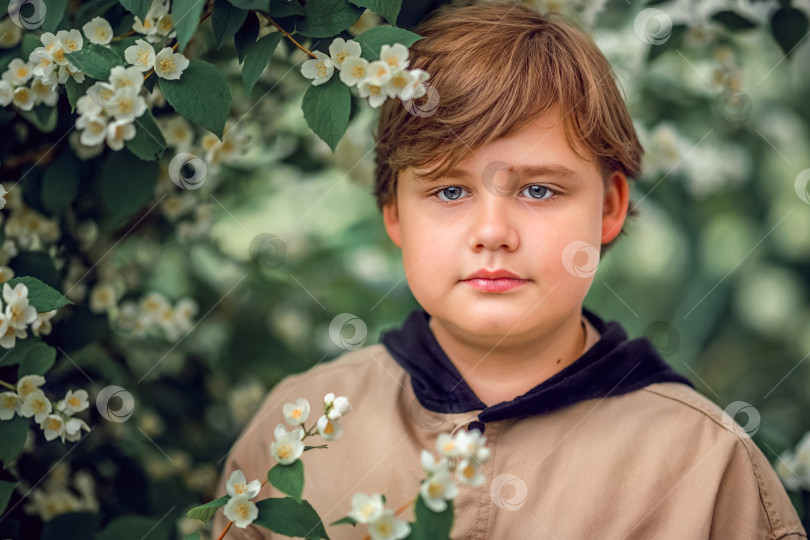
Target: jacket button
476, 425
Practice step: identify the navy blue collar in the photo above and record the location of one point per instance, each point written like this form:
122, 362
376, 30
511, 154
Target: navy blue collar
613, 366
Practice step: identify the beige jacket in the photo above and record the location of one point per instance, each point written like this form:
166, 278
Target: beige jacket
657, 462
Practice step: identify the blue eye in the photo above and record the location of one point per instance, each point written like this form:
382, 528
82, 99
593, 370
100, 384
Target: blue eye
452, 192
536, 191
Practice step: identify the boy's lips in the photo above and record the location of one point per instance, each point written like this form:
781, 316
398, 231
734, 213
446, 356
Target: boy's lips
494, 281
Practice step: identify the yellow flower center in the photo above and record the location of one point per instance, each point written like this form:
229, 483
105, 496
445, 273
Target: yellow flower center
358, 71
167, 65
143, 57
321, 67
296, 414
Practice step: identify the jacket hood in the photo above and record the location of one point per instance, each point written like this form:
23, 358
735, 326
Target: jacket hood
614, 365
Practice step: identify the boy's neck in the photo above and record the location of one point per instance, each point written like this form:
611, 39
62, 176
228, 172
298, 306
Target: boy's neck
502, 371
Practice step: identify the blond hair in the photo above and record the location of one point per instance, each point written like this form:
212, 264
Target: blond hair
497, 67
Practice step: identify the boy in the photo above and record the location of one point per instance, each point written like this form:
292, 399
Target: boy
502, 199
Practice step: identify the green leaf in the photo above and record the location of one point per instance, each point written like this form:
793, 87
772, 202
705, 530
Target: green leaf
132, 526
430, 525
250, 4
29, 43
256, 59
139, 8
326, 110
288, 478
95, 60
733, 20
60, 183
54, 15
43, 117
226, 20
347, 520
327, 18
73, 526
38, 360
789, 27
76, 90
245, 36
201, 95
12, 438
148, 143
290, 516
40, 295
186, 16
371, 41
285, 8
192, 536
388, 9
205, 512
6, 489
127, 184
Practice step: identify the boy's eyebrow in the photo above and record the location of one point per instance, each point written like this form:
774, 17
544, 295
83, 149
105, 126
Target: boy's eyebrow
524, 171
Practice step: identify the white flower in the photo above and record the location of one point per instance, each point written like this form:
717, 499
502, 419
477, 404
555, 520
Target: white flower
446, 445
164, 25
9, 405
23, 98
42, 61
69, 70
55, 47
19, 312
376, 94
141, 55
98, 31
54, 426
42, 324
429, 463
333, 414
36, 405
100, 94
319, 69
342, 405
400, 80
296, 413
396, 56
8, 332
71, 39
170, 65
354, 70
29, 384
366, 508
341, 50
126, 104
178, 132
44, 93
94, 129
469, 442
328, 399
468, 471
437, 489
288, 446
121, 77
6, 93
379, 73
10, 33
389, 527
241, 510
329, 429
18, 72
238, 485
73, 429
73, 402
416, 88
118, 132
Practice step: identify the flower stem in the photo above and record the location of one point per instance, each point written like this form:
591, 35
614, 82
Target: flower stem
288, 36
7, 385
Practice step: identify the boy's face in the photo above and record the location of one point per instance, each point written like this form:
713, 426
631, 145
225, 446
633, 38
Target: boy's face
494, 220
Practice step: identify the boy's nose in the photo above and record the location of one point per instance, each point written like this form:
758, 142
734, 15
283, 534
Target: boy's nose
492, 227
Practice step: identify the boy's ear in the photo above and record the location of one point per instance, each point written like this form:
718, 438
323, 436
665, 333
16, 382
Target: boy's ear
391, 220
614, 208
